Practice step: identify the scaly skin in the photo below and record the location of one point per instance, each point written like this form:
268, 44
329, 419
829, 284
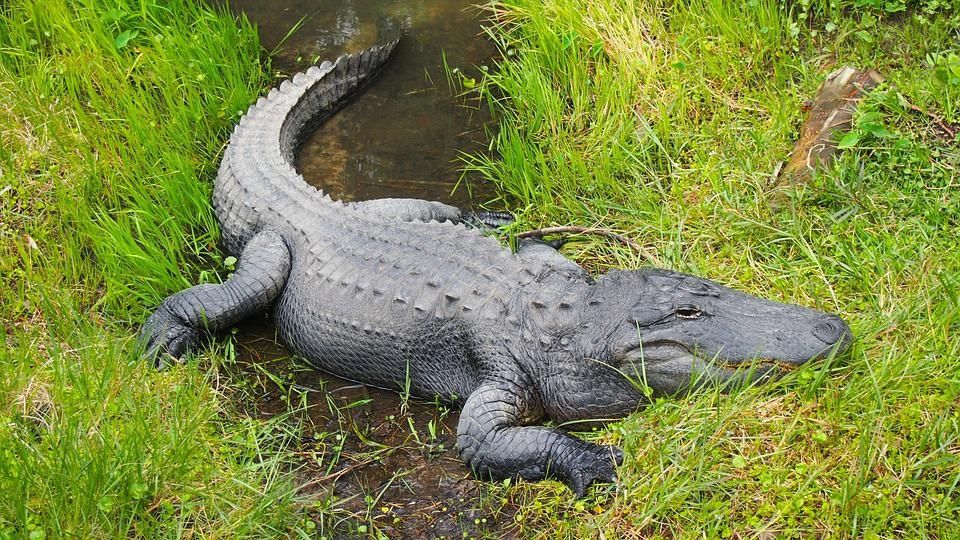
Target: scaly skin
392, 291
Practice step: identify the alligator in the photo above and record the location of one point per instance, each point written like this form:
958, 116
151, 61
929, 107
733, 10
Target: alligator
404, 294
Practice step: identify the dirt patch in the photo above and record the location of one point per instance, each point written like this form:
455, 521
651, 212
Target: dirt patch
375, 461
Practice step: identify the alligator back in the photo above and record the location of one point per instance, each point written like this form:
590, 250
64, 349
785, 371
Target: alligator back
379, 300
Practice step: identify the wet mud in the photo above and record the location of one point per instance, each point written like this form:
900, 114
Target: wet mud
378, 463
374, 462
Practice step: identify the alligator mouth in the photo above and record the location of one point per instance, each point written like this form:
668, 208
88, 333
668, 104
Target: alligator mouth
667, 351
673, 353
757, 363
676, 358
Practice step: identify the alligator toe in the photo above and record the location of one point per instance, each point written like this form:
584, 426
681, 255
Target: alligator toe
596, 465
164, 338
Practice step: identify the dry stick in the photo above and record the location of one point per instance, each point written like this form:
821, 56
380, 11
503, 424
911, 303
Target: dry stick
940, 122
539, 233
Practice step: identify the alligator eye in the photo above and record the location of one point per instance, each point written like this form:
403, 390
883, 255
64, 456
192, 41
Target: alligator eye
688, 312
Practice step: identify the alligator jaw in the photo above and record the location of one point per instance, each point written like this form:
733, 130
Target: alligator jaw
671, 368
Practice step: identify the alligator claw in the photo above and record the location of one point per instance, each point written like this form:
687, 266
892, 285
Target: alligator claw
164, 339
615, 452
597, 465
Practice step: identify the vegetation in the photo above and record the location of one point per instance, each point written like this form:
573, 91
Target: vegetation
112, 116
664, 119
668, 120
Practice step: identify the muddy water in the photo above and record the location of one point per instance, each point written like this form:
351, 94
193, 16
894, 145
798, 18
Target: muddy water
377, 463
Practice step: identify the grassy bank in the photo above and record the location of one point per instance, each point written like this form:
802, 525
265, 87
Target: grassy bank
112, 117
668, 120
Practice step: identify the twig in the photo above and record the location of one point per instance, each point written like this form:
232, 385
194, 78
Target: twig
336, 475
539, 233
939, 122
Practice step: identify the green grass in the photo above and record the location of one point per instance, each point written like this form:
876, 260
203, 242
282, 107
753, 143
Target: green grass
112, 117
668, 120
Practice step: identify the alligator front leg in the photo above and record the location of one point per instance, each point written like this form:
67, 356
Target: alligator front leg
495, 447
178, 325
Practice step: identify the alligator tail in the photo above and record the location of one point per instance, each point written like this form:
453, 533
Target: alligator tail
257, 174
335, 86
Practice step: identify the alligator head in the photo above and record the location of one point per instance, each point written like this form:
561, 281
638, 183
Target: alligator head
680, 331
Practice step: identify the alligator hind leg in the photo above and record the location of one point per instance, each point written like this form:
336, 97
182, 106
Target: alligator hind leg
531, 250
425, 211
409, 209
181, 321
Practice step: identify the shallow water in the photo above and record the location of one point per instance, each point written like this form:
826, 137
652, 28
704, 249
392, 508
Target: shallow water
393, 464
402, 137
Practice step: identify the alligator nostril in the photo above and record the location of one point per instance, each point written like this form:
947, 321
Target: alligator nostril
830, 330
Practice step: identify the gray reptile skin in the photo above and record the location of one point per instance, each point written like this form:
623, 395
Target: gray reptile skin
396, 290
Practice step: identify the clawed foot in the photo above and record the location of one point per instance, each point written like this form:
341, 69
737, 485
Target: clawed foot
597, 463
164, 339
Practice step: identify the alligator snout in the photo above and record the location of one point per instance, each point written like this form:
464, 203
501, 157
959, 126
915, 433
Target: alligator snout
832, 330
